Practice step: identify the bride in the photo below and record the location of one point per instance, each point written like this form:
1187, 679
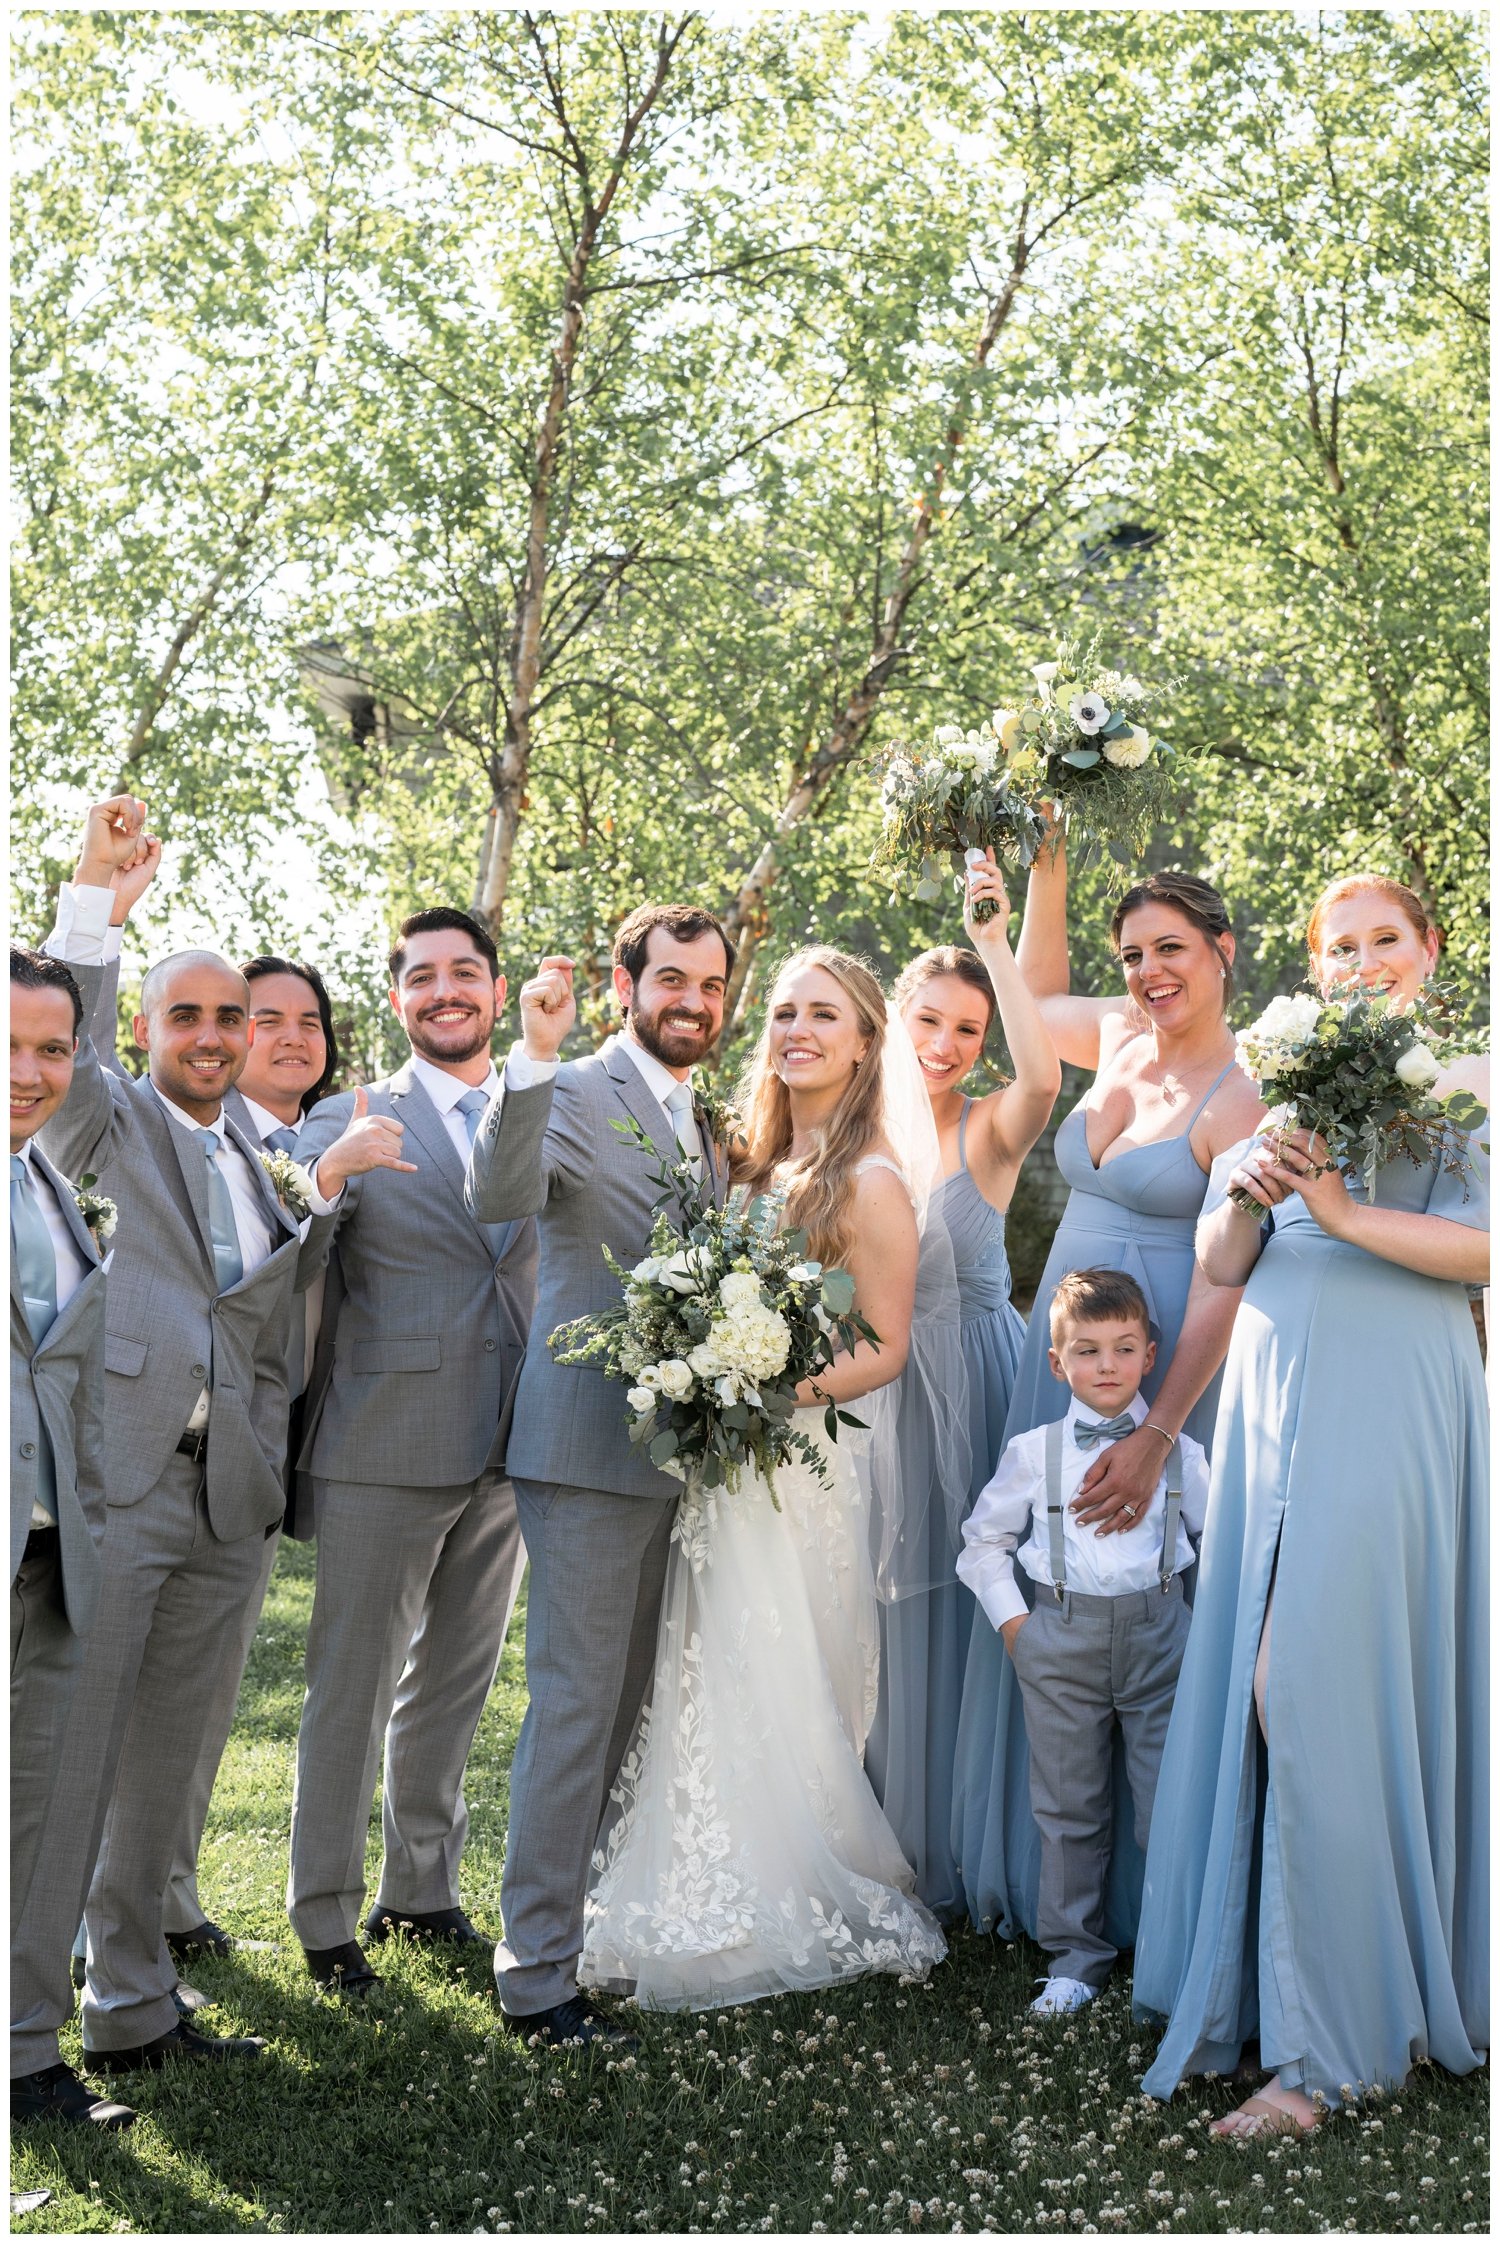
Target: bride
746, 1854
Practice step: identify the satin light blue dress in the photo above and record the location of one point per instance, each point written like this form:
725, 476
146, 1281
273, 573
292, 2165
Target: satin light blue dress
1136, 1212
1329, 1893
925, 1639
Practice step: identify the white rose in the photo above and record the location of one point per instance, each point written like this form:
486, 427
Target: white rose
1417, 1068
646, 1273
684, 1273
675, 1377
641, 1399
1127, 749
1089, 711
945, 735
1008, 730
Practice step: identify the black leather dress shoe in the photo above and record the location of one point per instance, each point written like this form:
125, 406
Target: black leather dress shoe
205, 1939
344, 1970
448, 1926
183, 2041
574, 2021
58, 2093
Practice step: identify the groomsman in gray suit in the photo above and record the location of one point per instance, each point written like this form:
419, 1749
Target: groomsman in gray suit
293, 1059
57, 1407
595, 1513
205, 1262
419, 1554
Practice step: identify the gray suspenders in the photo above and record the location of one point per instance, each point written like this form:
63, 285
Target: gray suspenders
1054, 1451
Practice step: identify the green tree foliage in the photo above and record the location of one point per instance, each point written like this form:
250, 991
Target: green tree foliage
575, 443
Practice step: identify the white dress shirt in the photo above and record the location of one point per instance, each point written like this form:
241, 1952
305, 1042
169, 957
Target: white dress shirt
445, 1090
1096, 1565
71, 1267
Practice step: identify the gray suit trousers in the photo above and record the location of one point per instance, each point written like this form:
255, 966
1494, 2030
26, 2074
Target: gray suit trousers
46, 1660
1083, 1666
414, 1595
598, 1563
173, 1596
182, 1911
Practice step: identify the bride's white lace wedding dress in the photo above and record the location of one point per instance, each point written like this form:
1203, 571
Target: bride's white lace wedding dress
748, 1855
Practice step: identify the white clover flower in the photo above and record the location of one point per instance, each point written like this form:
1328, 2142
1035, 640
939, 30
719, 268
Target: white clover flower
675, 1378
1008, 730
1417, 1068
642, 1399
1089, 711
1127, 749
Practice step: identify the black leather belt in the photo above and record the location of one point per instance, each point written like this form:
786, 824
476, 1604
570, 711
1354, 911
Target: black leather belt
194, 1445
42, 1542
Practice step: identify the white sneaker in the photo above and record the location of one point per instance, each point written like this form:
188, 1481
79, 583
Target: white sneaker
1060, 1995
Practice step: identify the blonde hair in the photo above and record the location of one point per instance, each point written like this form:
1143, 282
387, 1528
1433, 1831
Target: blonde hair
819, 1188
1402, 898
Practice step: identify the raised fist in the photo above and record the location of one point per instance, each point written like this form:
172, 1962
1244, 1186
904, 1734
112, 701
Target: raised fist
548, 1008
113, 834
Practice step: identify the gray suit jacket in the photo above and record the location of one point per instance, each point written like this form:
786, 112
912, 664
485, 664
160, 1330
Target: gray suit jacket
551, 1151
60, 1384
168, 1330
423, 1330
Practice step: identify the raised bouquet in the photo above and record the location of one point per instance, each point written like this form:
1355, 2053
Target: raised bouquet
713, 1333
1080, 743
1361, 1074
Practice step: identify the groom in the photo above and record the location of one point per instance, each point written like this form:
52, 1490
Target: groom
595, 1514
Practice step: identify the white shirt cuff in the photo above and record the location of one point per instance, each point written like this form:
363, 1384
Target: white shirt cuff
83, 935
317, 1205
993, 1581
523, 1073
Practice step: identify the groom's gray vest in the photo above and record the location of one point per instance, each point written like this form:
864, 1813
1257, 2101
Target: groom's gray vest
550, 1152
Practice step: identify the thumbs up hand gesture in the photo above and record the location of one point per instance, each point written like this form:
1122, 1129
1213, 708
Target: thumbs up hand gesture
369, 1141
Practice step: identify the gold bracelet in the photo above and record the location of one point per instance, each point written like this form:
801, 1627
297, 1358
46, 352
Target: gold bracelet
1149, 1425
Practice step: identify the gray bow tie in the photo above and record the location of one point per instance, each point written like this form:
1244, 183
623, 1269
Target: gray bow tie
1088, 1431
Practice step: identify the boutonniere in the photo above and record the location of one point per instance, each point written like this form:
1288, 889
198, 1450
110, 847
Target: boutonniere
291, 1184
718, 1118
99, 1214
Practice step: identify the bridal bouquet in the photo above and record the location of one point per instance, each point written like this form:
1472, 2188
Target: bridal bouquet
713, 1333
1079, 743
1351, 1068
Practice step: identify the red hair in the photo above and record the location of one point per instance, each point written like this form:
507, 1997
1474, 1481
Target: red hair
1395, 893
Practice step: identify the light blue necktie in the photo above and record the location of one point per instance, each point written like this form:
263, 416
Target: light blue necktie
471, 1106
36, 1267
1087, 1431
229, 1263
282, 1140
685, 1123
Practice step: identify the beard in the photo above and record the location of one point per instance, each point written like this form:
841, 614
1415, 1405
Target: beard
674, 1047
446, 1046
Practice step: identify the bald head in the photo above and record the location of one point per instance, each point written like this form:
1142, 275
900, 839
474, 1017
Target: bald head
195, 1027
160, 976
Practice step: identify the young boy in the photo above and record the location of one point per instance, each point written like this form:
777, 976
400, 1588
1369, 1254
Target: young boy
1103, 1640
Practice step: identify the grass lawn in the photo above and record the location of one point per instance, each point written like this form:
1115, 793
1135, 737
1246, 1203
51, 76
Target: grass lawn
880, 2107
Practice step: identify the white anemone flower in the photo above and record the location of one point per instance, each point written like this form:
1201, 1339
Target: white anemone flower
1089, 712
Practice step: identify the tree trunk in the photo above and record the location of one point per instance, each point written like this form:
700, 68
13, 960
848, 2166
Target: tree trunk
748, 917
525, 657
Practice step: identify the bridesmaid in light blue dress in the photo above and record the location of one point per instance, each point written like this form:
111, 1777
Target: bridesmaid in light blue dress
1318, 1870
1166, 1100
948, 1000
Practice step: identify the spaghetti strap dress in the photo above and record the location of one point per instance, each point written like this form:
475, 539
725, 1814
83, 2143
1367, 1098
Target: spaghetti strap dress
925, 1639
1136, 1211
1328, 1892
